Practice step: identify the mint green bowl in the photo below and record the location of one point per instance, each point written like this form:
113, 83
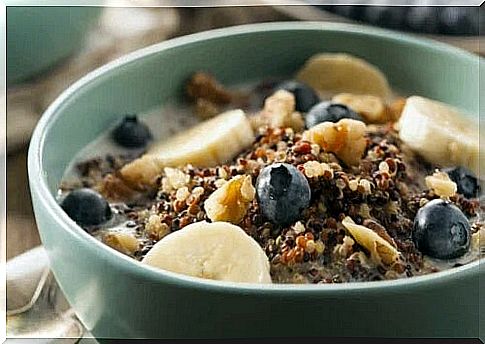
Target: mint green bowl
115, 296
39, 37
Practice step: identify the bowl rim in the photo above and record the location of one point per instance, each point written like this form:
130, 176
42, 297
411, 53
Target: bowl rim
38, 181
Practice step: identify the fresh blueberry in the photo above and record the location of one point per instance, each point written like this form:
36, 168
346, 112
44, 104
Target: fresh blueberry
283, 193
466, 182
329, 112
132, 133
86, 207
441, 230
305, 96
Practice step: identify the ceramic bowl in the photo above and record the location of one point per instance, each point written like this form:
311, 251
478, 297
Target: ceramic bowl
116, 296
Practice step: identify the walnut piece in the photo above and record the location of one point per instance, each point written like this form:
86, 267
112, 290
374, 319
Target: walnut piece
279, 112
370, 107
231, 201
381, 251
122, 242
441, 184
204, 85
344, 138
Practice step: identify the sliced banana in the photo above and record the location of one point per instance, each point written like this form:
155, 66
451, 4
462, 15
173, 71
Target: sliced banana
218, 251
371, 108
440, 133
332, 73
210, 143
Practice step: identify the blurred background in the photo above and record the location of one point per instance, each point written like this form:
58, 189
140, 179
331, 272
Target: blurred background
48, 48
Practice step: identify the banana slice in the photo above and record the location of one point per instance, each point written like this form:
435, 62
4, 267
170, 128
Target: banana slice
440, 133
332, 73
210, 143
218, 251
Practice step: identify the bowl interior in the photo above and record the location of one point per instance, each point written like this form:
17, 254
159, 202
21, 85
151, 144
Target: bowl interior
156, 75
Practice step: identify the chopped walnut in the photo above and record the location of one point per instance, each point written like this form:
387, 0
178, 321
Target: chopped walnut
122, 242
370, 107
279, 111
441, 184
231, 201
205, 86
344, 138
381, 251
115, 189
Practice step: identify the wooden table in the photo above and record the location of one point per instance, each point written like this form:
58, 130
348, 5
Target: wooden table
21, 229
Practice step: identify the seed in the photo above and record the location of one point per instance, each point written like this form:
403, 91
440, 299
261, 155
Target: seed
299, 254
383, 167
310, 246
309, 236
319, 247
301, 241
353, 184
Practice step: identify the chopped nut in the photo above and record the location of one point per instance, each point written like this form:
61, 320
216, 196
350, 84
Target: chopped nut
370, 107
156, 228
344, 138
231, 201
382, 252
204, 85
441, 184
279, 111
122, 242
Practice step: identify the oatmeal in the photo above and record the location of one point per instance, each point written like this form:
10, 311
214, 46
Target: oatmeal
300, 185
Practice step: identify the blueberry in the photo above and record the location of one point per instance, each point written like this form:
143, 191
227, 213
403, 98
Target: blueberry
131, 133
283, 193
305, 96
86, 207
441, 230
466, 182
329, 112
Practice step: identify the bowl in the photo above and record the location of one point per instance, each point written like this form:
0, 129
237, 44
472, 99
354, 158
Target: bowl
116, 296
39, 37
